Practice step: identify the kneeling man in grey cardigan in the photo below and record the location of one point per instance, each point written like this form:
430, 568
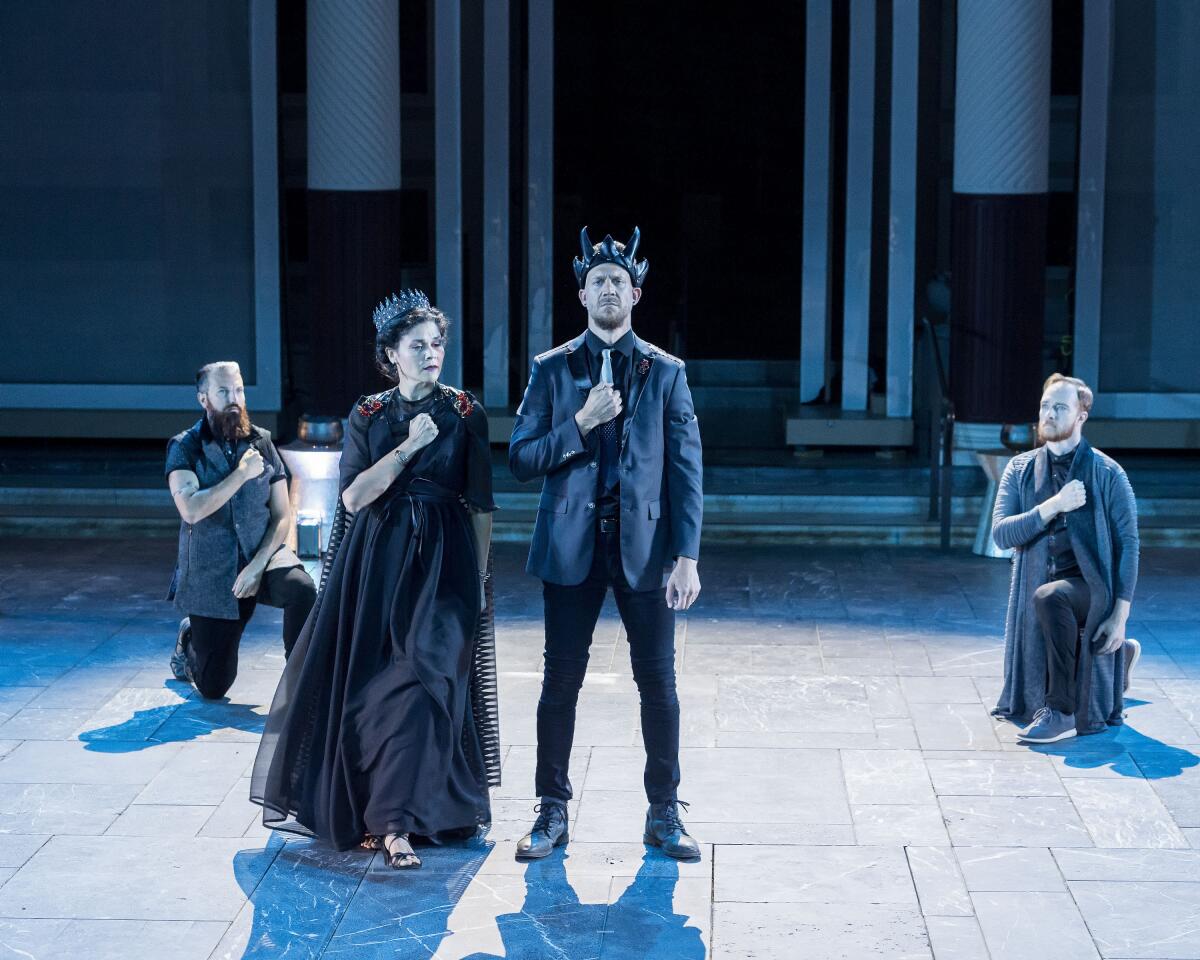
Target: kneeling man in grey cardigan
1068, 512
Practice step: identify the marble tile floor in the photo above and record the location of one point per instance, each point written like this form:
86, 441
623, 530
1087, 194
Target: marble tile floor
852, 793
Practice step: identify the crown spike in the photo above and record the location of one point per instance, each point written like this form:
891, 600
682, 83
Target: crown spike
393, 307
632, 245
609, 251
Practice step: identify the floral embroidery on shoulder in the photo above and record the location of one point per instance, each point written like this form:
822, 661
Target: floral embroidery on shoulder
463, 404
369, 406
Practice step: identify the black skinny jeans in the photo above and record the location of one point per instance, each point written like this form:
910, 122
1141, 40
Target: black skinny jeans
571, 615
212, 654
1062, 608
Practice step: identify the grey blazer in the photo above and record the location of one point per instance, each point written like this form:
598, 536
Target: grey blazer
662, 496
207, 561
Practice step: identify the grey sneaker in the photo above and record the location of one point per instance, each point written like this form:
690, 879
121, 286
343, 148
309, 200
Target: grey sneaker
1133, 653
1049, 726
179, 663
1037, 717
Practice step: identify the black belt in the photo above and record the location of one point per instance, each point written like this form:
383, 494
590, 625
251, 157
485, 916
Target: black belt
608, 524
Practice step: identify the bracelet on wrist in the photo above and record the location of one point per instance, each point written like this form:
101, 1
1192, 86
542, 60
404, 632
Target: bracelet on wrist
402, 458
485, 576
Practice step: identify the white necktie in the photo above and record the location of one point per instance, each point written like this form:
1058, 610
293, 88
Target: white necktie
608, 429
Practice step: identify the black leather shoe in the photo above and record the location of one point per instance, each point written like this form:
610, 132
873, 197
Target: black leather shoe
665, 830
549, 831
179, 664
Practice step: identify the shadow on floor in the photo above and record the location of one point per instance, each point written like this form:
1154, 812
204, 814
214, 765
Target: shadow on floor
308, 900
174, 723
640, 923
1125, 751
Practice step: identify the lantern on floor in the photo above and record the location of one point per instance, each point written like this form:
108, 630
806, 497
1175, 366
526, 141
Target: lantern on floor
312, 460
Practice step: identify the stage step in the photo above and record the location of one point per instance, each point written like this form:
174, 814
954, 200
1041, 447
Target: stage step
759, 510
751, 496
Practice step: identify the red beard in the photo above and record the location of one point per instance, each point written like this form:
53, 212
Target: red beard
231, 425
1053, 434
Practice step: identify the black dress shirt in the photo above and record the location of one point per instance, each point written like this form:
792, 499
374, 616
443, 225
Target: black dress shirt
608, 494
1063, 565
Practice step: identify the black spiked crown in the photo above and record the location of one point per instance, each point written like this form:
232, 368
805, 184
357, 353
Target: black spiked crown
609, 251
395, 306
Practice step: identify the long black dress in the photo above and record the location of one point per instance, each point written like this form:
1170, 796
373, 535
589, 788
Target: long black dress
384, 720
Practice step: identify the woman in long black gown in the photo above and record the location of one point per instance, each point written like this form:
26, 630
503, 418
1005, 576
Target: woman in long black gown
383, 726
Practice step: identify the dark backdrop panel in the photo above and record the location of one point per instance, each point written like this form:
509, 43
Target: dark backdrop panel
686, 119
126, 240
1148, 341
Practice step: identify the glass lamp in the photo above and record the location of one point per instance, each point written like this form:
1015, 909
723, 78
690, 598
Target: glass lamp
313, 459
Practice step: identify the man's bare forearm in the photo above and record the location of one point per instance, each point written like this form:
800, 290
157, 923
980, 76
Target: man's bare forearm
277, 531
195, 504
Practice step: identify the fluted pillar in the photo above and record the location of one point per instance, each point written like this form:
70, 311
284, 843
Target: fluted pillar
353, 189
1001, 169
448, 195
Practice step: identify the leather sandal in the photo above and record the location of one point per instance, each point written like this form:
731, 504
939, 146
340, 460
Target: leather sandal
399, 852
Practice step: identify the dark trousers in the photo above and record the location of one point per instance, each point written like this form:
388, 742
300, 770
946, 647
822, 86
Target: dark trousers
571, 615
1062, 608
213, 650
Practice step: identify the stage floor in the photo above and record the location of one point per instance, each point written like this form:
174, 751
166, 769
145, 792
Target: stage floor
853, 796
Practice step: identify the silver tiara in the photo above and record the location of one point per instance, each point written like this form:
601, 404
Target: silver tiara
397, 306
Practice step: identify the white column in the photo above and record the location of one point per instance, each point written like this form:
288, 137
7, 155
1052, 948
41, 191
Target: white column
539, 126
1093, 158
902, 232
1002, 97
353, 95
814, 295
266, 392
495, 203
860, 158
447, 196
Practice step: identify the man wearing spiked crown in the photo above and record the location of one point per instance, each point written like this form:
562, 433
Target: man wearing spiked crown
607, 421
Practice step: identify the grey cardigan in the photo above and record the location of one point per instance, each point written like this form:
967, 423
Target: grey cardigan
1104, 536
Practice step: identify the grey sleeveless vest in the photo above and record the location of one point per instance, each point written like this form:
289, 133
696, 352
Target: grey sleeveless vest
207, 562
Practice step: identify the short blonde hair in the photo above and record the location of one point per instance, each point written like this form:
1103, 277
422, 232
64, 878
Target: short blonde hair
1083, 391
209, 369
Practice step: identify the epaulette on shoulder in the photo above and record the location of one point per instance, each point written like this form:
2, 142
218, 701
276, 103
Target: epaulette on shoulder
658, 353
553, 351
371, 404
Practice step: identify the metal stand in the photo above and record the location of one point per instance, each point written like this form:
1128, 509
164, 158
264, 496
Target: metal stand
993, 463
